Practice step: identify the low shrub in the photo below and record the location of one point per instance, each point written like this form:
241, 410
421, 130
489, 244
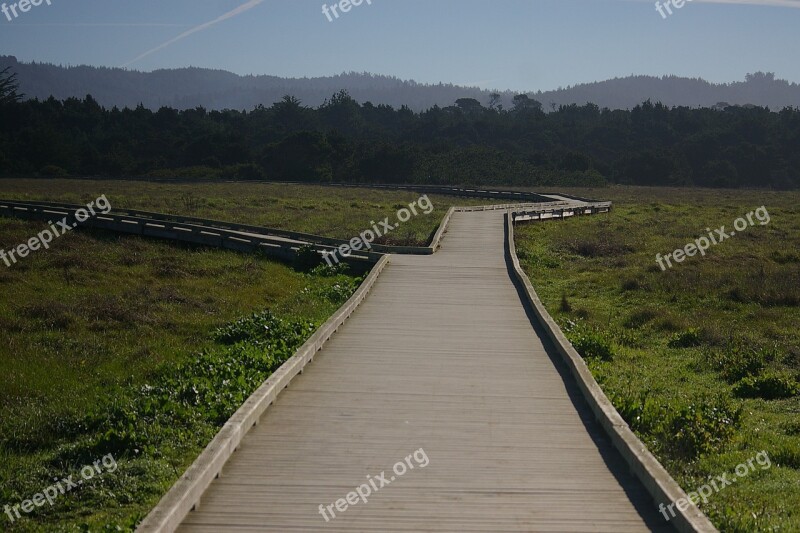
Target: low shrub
702, 427
641, 413
769, 387
787, 457
592, 344
736, 362
597, 246
329, 271
631, 285
685, 339
640, 318
308, 258
679, 429
626, 337
338, 293
185, 403
260, 327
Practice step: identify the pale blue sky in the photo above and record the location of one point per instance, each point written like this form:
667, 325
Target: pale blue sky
504, 44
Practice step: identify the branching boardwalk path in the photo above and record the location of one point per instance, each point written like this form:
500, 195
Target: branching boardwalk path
442, 356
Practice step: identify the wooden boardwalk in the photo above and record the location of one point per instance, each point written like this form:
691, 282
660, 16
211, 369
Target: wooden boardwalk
442, 356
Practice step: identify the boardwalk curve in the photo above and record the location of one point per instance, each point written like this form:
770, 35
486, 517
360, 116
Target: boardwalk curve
452, 354
442, 356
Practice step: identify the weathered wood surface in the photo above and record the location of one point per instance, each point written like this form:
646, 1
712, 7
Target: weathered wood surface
441, 356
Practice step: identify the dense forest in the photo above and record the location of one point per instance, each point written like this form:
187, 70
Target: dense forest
466, 143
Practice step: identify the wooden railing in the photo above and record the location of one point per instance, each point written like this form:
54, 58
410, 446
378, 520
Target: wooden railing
191, 232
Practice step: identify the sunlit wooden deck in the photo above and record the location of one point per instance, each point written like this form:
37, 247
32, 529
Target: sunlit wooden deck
441, 356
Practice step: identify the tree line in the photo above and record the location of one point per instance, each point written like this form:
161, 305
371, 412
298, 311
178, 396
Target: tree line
344, 141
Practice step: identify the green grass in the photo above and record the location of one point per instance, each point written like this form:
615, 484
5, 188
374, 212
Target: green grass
108, 346
702, 360
328, 211
128, 346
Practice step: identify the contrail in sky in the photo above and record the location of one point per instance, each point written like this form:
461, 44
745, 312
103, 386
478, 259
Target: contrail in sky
106, 24
230, 14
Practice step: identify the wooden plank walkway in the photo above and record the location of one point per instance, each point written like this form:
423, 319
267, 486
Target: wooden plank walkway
442, 356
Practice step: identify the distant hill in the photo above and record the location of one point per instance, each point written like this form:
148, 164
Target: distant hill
187, 88
760, 89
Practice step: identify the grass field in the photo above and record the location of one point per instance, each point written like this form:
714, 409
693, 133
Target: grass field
108, 346
331, 212
121, 345
703, 359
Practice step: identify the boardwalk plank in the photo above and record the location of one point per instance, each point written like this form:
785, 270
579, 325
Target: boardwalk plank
441, 356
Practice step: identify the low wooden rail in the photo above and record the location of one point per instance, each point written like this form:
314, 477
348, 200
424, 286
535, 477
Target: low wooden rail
306, 238
464, 192
658, 482
234, 226
527, 215
281, 248
282, 244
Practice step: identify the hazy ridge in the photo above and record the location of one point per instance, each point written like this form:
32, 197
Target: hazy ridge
187, 88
